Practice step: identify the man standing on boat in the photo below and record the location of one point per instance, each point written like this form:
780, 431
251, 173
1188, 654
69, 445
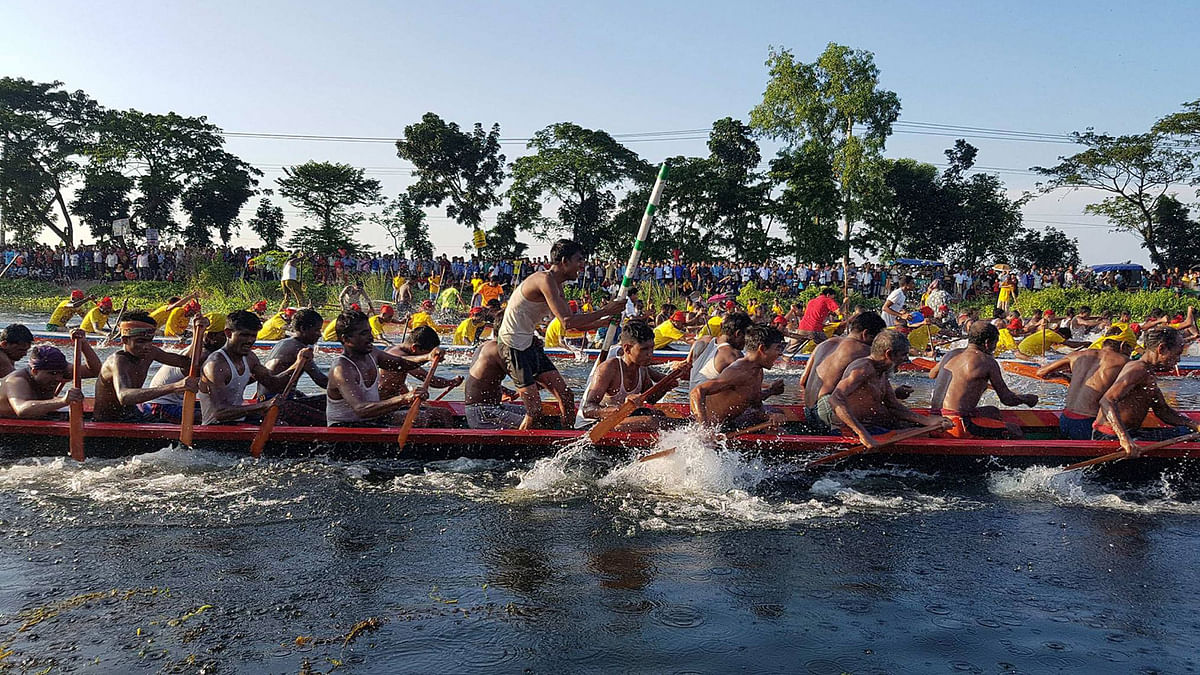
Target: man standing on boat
31, 392
1135, 393
289, 282
15, 342
352, 396
734, 398
893, 305
863, 400
119, 390
229, 369
962, 377
1092, 372
816, 313
306, 330
829, 360
535, 299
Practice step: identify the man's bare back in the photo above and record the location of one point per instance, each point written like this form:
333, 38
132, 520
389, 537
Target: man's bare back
484, 378
1092, 372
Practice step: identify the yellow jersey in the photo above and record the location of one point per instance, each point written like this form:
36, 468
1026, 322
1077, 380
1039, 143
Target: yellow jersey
376, 323
475, 284
435, 285
397, 282
1006, 343
274, 328
329, 332
177, 322
713, 327
160, 314
1032, 345
95, 321
554, 333
421, 319
665, 333
468, 331
918, 338
64, 312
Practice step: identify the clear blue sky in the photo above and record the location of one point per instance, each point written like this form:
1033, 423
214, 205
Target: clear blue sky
370, 68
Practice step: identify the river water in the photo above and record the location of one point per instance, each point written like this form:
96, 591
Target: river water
706, 561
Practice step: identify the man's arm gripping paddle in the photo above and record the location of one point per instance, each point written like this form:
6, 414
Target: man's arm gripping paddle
77, 406
272, 415
415, 409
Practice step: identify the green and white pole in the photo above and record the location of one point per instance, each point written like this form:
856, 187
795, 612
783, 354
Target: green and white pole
635, 257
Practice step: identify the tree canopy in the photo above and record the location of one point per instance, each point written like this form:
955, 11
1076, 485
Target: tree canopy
328, 193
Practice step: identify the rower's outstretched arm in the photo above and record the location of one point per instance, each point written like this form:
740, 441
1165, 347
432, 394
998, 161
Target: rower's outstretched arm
1132, 376
851, 380
1055, 366
1166, 413
1007, 396
697, 399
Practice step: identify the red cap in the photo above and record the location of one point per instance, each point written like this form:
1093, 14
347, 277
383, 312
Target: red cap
106, 301
426, 304
926, 310
573, 305
386, 309
679, 316
779, 319
355, 306
1048, 312
260, 305
943, 308
1178, 318
289, 312
191, 308
1135, 327
76, 294
475, 311
730, 305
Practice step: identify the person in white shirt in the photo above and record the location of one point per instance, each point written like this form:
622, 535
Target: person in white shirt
893, 306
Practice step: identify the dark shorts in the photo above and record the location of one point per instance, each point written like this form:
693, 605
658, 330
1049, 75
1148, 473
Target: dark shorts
524, 365
1076, 428
812, 419
817, 336
162, 412
1149, 435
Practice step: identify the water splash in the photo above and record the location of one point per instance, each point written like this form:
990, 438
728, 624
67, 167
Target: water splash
1075, 488
697, 465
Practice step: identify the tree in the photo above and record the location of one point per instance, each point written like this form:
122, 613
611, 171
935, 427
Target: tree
1179, 234
103, 198
738, 191
502, 243
169, 156
404, 222
578, 169
903, 211
809, 204
819, 105
1136, 170
268, 223
327, 192
44, 130
453, 166
1045, 250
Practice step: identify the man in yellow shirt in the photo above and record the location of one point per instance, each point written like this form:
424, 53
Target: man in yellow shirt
160, 313
554, 330
472, 327
177, 322
670, 330
68, 309
275, 328
378, 322
96, 321
476, 284
422, 318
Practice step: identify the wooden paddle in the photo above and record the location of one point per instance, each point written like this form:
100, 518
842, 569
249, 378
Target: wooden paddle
77, 406
1122, 454
447, 391
606, 425
268, 423
748, 430
411, 417
187, 416
112, 332
859, 449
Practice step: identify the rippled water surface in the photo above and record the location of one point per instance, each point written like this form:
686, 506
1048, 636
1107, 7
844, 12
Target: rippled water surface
703, 561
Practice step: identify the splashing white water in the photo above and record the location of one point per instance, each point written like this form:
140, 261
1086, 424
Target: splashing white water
697, 465
1074, 488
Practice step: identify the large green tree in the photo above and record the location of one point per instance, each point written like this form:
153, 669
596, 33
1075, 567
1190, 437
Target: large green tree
904, 211
1045, 250
268, 223
44, 131
980, 221
459, 169
808, 204
579, 169
1134, 170
328, 193
103, 198
1179, 233
404, 222
214, 200
833, 106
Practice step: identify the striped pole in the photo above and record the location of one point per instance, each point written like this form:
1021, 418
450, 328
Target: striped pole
635, 257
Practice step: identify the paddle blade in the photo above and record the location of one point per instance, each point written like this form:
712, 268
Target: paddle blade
1120, 454
264, 431
656, 455
77, 431
604, 426
187, 418
409, 420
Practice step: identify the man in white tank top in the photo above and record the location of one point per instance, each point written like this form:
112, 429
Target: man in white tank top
352, 397
712, 355
626, 378
536, 299
228, 370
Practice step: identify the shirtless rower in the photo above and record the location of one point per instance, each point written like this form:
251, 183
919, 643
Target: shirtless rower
306, 331
15, 342
120, 389
421, 342
626, 378
352, 397
535, 298
734, 398
169, 407
484, 395
829, 360
353, 294
1135, 393
229, 369
962, 377
864, 400
712, 355
1092, 372
31, 392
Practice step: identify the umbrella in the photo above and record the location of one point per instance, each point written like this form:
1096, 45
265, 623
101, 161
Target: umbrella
717, 298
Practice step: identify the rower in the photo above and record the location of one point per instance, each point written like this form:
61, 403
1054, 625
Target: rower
352, 396
229, 369
1042, 339
962, 377
541, 294
734, 398
422, 317
30, 393
1135, 393
669, 330
816, 313
712, 355
422, 342
488, 291
306, 330
67, 309
169, 407
177, 321
96, 320
386, 315
119, 391
1092, 372
626, 378
1083, 321
448, 299
471, 328
863, 400
484, 395
554, 331
829, 360
15, 342
275, 327
260, 309
161, 313
352, 294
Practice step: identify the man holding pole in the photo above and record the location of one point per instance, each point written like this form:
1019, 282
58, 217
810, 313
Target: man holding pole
538, 296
